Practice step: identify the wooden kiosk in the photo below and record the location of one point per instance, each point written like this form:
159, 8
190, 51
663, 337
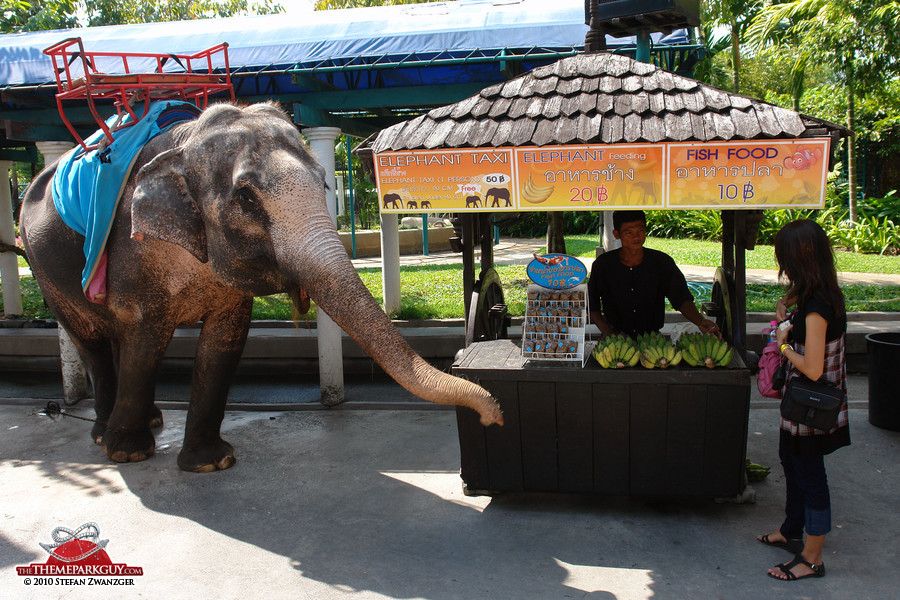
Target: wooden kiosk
603, 132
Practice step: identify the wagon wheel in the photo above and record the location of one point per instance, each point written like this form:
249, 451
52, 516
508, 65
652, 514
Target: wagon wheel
722, 306
488, 318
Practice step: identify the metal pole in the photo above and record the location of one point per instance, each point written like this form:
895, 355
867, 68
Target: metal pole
642, 49
350, 193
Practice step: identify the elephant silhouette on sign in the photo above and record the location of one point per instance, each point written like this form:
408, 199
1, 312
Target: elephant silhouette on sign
473, 201
393, 200
426, 204
412, 204
497, 194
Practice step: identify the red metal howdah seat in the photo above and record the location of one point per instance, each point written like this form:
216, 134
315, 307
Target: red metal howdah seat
164, 76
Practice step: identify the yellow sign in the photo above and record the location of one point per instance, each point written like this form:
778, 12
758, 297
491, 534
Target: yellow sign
749, 174
585, 177
445, 180
684, 175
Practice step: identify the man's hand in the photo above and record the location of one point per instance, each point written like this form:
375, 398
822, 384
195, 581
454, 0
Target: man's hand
693, 315
605, 328
709, 328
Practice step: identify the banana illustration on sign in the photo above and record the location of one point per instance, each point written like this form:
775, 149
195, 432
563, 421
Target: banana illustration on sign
535, 194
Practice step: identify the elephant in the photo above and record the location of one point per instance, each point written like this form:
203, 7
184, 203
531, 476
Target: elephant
215, 212
392, 200
497, 194
412, 204
473, 201
426, 204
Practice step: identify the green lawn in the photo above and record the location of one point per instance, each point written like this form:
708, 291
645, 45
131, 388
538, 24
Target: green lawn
435, 291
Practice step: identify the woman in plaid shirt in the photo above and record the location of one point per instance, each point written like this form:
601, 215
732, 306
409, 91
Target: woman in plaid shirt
817, 330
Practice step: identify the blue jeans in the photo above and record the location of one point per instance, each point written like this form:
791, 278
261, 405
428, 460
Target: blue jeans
808, 504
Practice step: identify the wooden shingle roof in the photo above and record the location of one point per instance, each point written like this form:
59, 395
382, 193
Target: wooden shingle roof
598, 99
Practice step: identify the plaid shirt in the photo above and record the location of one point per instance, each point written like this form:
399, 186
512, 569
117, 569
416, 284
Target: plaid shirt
834, 373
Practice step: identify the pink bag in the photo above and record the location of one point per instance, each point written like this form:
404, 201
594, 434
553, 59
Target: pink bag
768, 364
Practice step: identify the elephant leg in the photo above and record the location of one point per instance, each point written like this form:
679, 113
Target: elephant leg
127, 437
219, 351
103, 369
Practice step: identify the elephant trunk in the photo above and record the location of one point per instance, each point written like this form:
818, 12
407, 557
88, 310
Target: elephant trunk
326, 272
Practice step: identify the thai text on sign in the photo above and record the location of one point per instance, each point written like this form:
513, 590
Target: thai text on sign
747, 174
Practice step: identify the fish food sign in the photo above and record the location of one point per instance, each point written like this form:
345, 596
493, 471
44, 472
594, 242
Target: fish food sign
672, 175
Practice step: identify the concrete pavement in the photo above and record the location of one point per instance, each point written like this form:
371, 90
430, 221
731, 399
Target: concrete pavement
364, 501
349, 503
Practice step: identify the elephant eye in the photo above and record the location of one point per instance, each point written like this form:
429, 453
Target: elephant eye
246, 198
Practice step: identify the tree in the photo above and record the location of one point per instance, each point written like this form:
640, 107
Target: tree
857, 39
736, 15
38, 15
710, 69
118, 12
336, 4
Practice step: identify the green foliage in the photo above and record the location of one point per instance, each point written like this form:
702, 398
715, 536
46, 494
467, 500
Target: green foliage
365, 196
39, 15
534, 224
435, 291
715, 67
334, 4
697, 224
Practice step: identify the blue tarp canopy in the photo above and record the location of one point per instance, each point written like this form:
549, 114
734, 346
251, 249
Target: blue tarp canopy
360, 69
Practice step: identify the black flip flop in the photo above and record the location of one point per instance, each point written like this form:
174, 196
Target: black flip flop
793, 545
818, 570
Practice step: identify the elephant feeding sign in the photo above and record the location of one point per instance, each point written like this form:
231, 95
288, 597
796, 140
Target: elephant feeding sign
671, 175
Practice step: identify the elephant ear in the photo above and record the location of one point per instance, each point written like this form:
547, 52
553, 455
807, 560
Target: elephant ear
163, 207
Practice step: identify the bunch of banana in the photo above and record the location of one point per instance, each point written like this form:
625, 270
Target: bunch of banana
651, 338
701, 350
660, 354
616, 352
535, 194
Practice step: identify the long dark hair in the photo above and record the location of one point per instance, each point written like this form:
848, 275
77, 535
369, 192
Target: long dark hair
804, 255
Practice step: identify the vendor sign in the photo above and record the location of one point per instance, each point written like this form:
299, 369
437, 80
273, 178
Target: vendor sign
582, 177
749, 174
445, 181
556, 271
770, 174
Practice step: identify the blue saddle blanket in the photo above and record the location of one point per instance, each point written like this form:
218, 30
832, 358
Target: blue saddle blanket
87, 185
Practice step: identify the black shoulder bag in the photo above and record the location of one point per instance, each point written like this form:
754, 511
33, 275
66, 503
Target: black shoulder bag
812, 403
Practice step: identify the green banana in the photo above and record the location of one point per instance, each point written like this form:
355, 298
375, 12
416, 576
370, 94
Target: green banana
726, 360
721, 349
635, 358
689, 353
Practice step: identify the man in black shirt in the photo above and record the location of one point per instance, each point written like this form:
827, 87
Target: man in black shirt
628, 286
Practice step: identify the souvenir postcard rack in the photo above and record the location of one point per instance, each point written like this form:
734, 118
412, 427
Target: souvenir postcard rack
554, 324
